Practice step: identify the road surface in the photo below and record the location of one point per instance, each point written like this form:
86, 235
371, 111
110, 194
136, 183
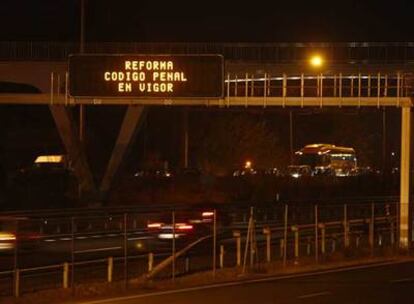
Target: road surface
393, 283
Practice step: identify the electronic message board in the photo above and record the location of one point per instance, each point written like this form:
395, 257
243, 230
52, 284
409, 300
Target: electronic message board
146, 76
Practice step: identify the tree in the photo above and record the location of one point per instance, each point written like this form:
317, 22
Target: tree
224, 141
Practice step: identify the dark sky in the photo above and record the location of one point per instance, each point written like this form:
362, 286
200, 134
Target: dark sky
232, 21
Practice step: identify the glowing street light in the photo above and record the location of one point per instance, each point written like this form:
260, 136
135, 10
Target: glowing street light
316, 61
248, 164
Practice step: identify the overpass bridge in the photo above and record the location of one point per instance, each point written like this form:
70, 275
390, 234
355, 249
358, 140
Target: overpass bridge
258, 75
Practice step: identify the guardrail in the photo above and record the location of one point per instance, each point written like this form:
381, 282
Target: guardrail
253, 237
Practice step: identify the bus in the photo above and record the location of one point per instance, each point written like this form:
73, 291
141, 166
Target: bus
324, 159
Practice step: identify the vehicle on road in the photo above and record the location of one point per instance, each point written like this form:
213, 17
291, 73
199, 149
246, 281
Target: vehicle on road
325, 159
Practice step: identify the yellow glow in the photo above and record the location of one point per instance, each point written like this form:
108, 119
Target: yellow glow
49, 159
316, 61
248, 164
6, 236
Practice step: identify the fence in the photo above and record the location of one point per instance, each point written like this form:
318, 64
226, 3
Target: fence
65, 252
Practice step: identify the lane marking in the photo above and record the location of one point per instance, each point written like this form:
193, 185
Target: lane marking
140, 238
98, 249
50, 240
245, 282
402, 280
317, 294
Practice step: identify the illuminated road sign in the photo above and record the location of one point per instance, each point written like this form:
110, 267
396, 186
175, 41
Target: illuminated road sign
146, 76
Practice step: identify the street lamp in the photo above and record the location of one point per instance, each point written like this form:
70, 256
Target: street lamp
316, 61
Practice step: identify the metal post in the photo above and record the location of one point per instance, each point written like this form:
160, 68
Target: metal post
185, 112
16, 245
352, 86
302, 89
65, 275
321, 91
228, 89
236, 234
295, 230
284, 89
173, 246
72, 249
316, 233
359, 89
346, 227
214, 241
369, 86
265, 90
371, 229
405, 178
150, 261
291, 135
246, 89
52, 80
221, 256
267, 233
110, 269
125, 250
285, 236
252, 244
323, 238
16, 283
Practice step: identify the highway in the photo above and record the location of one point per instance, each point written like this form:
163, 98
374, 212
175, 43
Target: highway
389, 283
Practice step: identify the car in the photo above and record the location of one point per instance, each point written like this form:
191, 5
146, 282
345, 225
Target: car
10, 236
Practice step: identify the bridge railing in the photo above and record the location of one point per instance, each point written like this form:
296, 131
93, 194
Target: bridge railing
319, 85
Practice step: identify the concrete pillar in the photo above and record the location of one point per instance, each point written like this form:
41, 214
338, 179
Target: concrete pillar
69, 136
405, 177
130, 125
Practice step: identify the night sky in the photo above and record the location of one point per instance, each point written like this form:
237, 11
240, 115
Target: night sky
221, 21
196, 21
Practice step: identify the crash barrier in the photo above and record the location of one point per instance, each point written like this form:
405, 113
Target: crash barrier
253, 236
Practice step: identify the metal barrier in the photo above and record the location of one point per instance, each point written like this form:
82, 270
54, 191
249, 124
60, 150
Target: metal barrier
250, 238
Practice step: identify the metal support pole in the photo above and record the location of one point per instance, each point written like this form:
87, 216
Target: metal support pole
302, 89
295, 230
346, 227
214, 242
267, 233
150, 261
316, 233
72, 249
285, 236
185, 118
221, 256
16, 283
65, 275
110, 269
236, 234
323, 238
371, 229
173, 247
125, 250
291, 135
405, 177
252, 241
